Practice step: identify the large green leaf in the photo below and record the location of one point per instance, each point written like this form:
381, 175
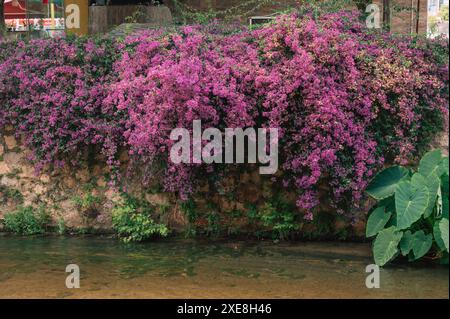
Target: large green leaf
406, 243
377, 220
440, 232
385, 246
444, 194
432, 183
410, 203
444, 166
445, 207
385, 183
444, 184
444, 259
421, 244
430, 163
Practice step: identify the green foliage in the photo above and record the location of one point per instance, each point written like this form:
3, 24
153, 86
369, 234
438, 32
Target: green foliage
385, 183
214, 227
377, 220
444, 13
87, 201
27, 221
189, 208
279, 217
385, 245
430, 164
61, 226
411, 216
164, 208
410, 203
7, 193
185, 13
440, 231
137, 16
133, 223
421, 244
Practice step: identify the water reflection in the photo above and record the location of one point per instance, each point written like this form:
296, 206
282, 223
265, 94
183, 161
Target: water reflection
34, 267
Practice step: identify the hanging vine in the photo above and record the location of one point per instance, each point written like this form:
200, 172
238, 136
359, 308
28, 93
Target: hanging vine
189, 14
245, 9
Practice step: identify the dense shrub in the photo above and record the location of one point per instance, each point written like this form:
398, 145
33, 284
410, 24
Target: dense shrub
346, 100
133, 223
26, 221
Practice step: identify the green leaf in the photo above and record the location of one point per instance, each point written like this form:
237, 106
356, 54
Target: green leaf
444, 259
432, 183
377, 220
385, 246
385, 183
421, 244
445, 207
406, 243
430, 163
388, 203
444, 184
410, 203
440, 232
444, 194
439, 203
443, 169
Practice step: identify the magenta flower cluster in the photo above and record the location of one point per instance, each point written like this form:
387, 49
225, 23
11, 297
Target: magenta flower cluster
344, 98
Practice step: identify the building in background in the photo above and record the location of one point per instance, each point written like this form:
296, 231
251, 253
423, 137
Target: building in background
47, 17
38, 18
438, 20
434, 6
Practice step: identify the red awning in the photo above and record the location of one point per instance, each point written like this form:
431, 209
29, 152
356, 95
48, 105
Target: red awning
15, 9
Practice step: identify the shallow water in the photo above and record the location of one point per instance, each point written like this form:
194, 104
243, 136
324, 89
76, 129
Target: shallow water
35, 268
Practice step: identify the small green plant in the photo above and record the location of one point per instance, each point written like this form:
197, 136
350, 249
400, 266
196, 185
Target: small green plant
213, 228
133, 222
89, 204
61, 226
279, 217
443, 13
411, 217
7, 193
87, 201
136, 16
164, 208
83, 230
27, 221
189, 208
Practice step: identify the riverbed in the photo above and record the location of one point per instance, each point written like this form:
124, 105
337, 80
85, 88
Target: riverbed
35, 268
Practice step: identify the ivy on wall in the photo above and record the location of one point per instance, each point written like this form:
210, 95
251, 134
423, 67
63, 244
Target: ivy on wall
187, 13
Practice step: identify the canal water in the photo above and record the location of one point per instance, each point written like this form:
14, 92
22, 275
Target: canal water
35, 268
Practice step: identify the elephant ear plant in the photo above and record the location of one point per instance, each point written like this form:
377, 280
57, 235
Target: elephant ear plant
411, 217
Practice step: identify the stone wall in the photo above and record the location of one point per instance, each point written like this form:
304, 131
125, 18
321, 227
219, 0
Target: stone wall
67, 195
442, 140
62, 193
